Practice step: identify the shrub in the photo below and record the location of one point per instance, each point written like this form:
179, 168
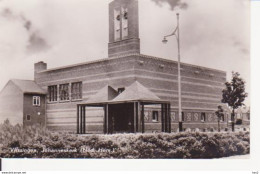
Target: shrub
189, 145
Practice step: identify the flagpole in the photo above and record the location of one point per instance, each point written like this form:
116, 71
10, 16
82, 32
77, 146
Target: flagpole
179, 75
179, 70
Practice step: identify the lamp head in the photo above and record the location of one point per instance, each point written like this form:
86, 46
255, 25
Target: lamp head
164, 40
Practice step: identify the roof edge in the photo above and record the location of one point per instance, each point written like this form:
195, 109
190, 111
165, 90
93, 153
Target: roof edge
128, 101
127, 55
27, 92
8, 82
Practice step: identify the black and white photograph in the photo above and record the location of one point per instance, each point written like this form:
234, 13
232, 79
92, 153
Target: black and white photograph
125, 79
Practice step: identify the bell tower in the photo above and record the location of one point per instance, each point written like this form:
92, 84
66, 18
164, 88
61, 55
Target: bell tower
123, 28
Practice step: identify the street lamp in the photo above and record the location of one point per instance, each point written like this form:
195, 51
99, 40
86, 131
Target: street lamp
164, 40
176, 33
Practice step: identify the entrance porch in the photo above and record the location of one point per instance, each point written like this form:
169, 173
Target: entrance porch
124, 111
127, 117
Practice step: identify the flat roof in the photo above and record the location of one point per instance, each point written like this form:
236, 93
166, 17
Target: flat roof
128, 55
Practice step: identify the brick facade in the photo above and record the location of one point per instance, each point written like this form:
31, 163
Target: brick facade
37, 113
201, 86
201, 91
131, 43
23, 102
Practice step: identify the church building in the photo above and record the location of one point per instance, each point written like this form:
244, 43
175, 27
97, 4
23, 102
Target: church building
127, 92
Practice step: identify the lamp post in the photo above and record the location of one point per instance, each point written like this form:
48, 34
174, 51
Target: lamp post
177, 35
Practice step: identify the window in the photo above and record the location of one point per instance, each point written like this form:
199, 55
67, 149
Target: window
120, 90
120, 24
36, 101
182, 116
76, 90
117, 21
155, 116
64, 92
52, 91
223, 118
203, 117
28, 117
173, 116
124, 23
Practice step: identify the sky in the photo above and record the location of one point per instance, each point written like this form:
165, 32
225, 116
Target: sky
214, 34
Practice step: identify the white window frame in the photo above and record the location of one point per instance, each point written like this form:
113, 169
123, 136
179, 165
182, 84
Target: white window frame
117, 25
37, 100
64, 92
124, 23
53, 93
76, 91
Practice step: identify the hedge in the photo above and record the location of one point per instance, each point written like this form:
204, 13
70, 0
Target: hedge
32, 142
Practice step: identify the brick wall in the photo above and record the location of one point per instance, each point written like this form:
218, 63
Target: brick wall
37, 113
200, 91
192, 120
130, 44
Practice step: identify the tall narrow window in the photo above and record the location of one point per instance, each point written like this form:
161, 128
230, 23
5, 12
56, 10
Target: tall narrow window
182, 116
124, 12
52, 92
76, 90
155, 116
64, 92
117, 22
203, 116
36, 101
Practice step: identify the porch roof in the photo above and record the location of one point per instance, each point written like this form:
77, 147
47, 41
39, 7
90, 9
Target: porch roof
104, 95
136, 92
